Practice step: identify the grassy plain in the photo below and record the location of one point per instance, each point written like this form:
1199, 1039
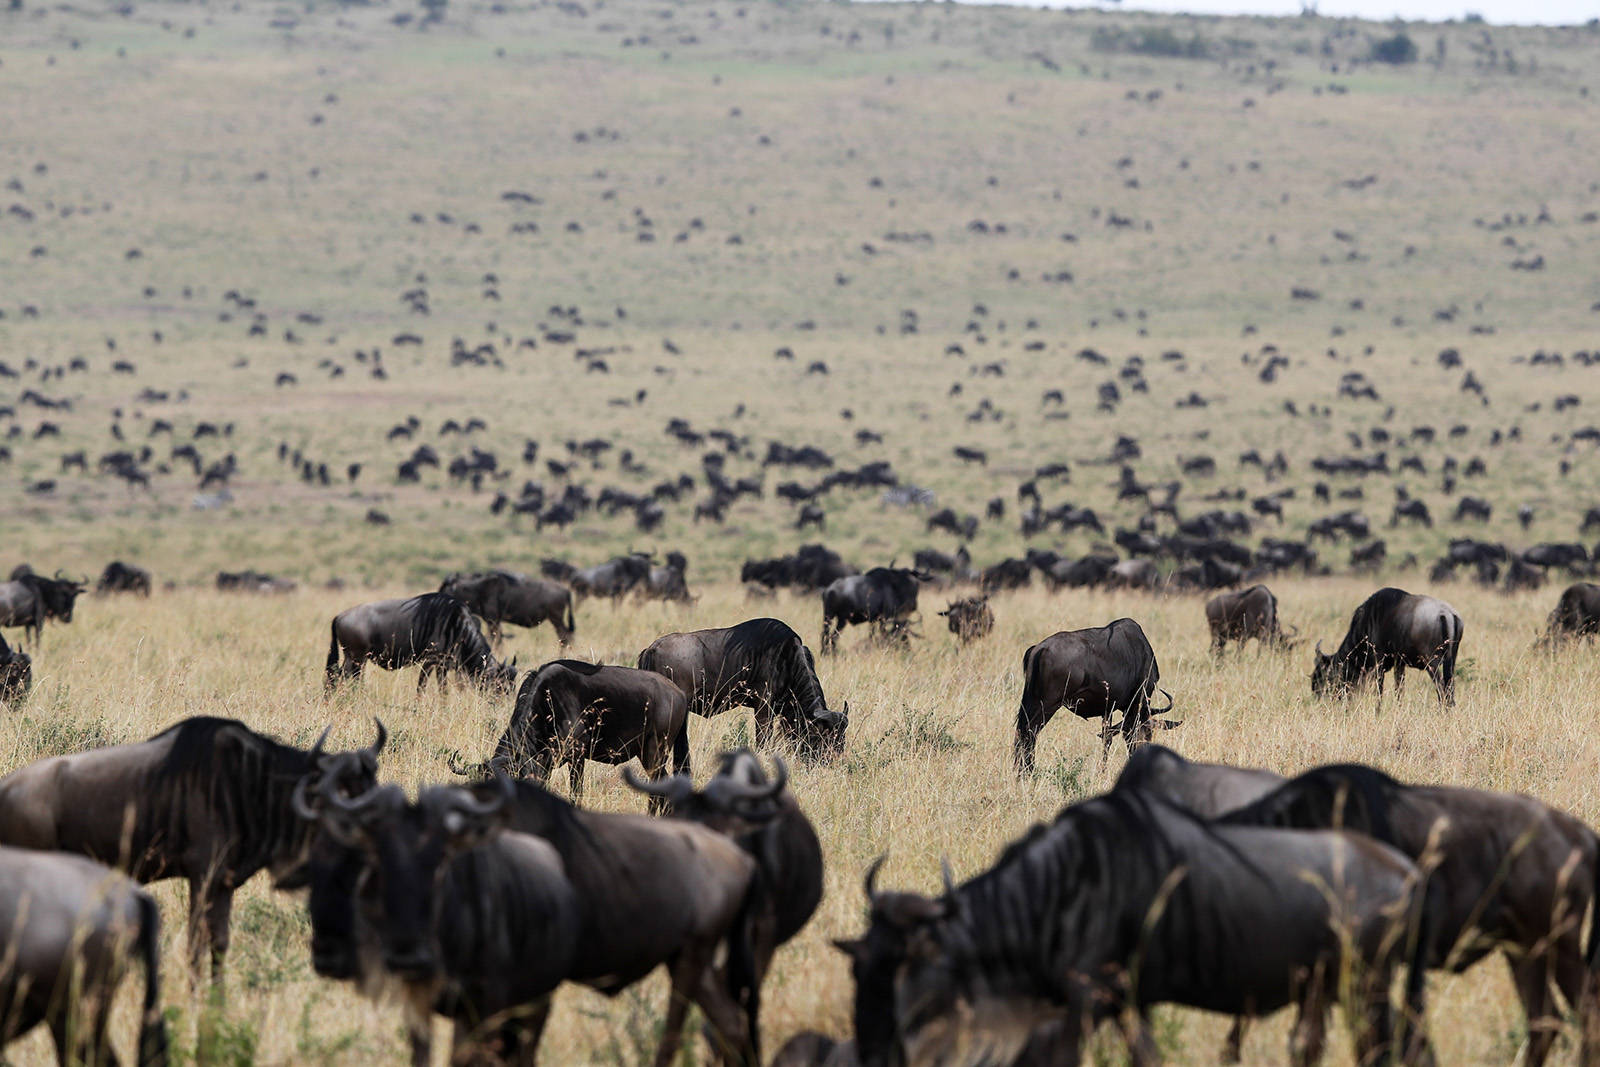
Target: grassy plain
282, 151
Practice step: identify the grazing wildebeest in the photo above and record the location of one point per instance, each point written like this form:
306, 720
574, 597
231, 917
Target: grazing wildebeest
29, 599
569, 712
499, 597
434, 629
207, 800
1091, 673
471, 921
970, 619
71, 927
1242, 614
1125, 902
612, 578
885, 597
766, 820
1577, 613
648, 892
120, 577
252, 581
16, 673
1393, 630
1505, 871
667, 582
1090, 571
761, 664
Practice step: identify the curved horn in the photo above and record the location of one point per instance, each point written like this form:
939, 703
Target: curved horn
947, 876
1319, 647
316, 749
328, 789
743, 796
383, 737
502, 794
1163, 711
297, 800
675, 789
869, 884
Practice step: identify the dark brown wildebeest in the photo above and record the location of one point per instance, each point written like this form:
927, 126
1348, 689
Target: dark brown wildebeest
71, 927
647, 891
28, 600
16, 673
1577, 613
120, 577
207, 800
434, 629
760, 664
1242, 614
886, 597
1505, 872
473, 922
499, 597
1091, 673
969, 619
1393, 630
569, 712
1206, 789
1125, 902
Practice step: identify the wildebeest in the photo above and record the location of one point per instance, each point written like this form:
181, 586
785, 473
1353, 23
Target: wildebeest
207, 800
668, 582
612, 578
71, 927
16, 673
499, 597
696, 898
433, 629
29, 599
1577, 613
885, 597
1245, 613
569, 712
1091, 673
1393, 630
766, 820
120, 577
969, 619
761, 664
1506, 872
471, 921
1133, 574
1125, 902
1206, 789
251, 581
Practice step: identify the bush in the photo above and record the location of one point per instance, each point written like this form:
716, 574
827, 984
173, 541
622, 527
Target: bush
1397, 49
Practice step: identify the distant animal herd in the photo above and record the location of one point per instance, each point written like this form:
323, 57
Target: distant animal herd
1229, 889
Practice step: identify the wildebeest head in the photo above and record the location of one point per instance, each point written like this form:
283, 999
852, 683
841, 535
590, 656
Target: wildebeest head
57, 594
1321, 672
822, 732
737, 798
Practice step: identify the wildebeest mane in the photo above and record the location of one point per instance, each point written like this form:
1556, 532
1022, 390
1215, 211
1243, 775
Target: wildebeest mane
1349, 796
1358, 653
1141, 764
577, 665
773, 663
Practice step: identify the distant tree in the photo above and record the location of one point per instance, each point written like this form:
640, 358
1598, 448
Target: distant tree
1397, 49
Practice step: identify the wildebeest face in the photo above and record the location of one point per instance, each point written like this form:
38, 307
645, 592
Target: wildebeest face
1321, 673
825, 733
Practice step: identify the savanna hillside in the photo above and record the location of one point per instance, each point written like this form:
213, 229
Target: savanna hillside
708, 199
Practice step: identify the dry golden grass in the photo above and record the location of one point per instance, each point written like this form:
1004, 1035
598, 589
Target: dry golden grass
926, 772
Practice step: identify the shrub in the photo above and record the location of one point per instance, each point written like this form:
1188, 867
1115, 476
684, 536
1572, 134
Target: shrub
1397, 49
1149, 41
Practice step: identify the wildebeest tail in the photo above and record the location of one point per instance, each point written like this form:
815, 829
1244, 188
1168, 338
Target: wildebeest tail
152, 1024
571, 622
333, 649
647, 659
1426, 948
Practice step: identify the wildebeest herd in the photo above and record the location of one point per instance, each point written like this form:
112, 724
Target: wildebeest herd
1230, 889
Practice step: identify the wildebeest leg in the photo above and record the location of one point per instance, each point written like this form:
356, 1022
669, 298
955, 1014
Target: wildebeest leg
575, 764
1532, 977
830, 634
1142, 1048
1031, 718
686, 972
1232, 1048
1311, 1025
726, 1030
422, 679
680, 751
764, 714
210, 910
1399, 678
1374, 1030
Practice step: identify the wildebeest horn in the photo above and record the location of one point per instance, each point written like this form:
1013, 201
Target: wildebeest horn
869, 884
737, 792
298, 801
456, 766
316, 749
502, 794
383, 737
1319, 647
1161, 711
675, 789
328, 789
947, 876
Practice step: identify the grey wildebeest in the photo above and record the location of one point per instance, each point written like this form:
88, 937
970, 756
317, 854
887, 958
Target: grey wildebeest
1576, 614
648, 892
1393, 630
761, 664
120, 577
569, 712
612, 578
969, 619
766, 820
207, 800
885, 597
1125, 902
470, 921
28, 600
499, 597
434, 629
1505, 872
71, 926
1091, 673
668, 581
1242, 614
16, 673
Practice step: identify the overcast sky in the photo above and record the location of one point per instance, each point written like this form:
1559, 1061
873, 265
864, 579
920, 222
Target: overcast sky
1549, 12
